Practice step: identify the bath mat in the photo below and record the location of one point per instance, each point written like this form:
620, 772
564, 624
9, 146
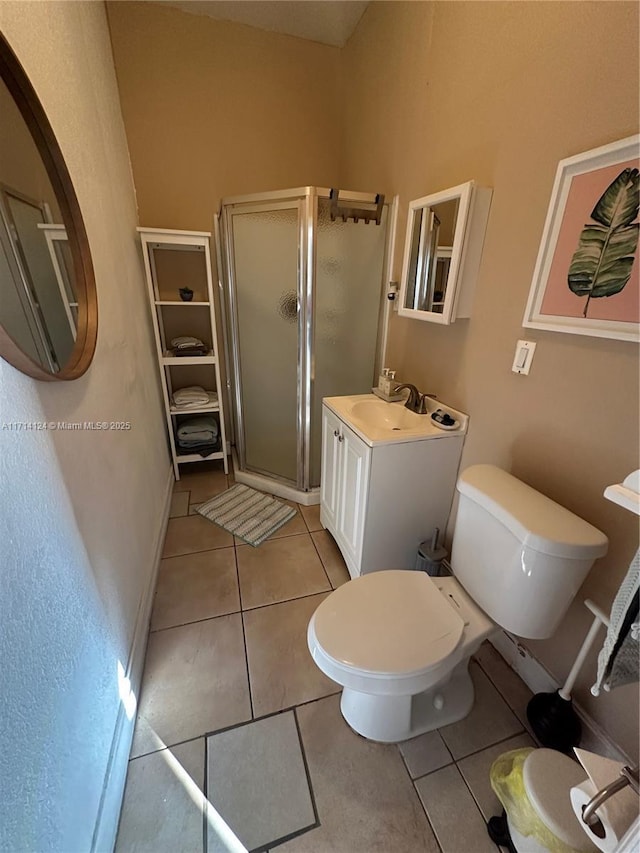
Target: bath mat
250, 515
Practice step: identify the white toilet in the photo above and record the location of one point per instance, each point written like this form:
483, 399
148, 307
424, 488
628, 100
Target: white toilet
399, 642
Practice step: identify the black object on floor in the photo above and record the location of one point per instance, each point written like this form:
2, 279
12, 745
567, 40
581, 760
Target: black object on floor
498, 830
554, 722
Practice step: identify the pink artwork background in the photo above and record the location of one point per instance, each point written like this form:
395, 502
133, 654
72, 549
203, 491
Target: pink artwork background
558, 300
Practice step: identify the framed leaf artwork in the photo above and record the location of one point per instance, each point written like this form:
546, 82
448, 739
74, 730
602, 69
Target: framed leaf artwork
587, 279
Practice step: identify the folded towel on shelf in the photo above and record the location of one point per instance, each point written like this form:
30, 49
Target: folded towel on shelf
198, 435
186, 341
197, 430
204, 438
193, 397
203, 450
186, 345
189, 393
187, 351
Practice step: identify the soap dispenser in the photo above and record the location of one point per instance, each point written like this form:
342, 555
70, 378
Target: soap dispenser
386, 382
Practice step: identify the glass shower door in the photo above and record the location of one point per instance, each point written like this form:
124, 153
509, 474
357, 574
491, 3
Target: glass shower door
265, 260
347, 305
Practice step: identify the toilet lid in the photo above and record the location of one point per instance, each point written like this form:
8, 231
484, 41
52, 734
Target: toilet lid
548, 777
392, 622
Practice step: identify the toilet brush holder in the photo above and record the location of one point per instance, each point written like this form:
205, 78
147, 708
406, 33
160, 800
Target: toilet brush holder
430, 556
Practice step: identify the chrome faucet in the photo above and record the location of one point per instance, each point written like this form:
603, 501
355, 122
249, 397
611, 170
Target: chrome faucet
416, 402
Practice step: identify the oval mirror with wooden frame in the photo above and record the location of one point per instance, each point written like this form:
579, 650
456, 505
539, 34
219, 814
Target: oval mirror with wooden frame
48, 302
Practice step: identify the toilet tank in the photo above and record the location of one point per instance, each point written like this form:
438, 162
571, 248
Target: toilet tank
520, 555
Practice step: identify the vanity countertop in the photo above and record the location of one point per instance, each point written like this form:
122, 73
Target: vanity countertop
378, 422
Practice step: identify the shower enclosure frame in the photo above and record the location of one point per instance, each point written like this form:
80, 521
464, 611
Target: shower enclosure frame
305, 201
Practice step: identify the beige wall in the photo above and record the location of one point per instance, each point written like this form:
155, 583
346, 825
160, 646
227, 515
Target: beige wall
425, 96
81, 511
500, 92
214, 109
21, 167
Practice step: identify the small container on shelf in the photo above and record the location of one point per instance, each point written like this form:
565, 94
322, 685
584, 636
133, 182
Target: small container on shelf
186, 294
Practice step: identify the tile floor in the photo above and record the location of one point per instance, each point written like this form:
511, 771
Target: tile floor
239, 742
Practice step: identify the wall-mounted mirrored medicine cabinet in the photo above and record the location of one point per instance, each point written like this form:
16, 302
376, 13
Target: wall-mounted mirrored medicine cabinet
443, 248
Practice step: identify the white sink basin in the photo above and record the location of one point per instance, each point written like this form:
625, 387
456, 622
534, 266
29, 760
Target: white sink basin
378, 422
392, 416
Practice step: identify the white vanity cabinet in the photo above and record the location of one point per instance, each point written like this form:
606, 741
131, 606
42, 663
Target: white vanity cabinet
380, 500
343, 490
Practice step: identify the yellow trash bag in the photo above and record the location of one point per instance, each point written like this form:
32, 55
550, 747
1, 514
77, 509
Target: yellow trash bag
507, 781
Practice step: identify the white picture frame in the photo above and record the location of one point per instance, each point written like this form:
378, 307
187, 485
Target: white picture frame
567, 215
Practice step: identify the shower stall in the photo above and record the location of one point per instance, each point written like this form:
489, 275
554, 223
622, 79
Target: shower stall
305, 317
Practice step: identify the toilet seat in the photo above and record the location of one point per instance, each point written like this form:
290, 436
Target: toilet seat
399, 642
394, 626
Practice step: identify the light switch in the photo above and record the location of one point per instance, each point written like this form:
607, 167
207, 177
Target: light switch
523, 357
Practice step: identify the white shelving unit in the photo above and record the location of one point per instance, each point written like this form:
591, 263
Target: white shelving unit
174, 259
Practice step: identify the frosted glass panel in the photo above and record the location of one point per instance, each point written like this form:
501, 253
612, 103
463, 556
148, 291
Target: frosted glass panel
349, 261
266, 271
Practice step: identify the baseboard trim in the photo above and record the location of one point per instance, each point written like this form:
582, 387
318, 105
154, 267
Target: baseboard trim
538, 680
106, 828
530, 670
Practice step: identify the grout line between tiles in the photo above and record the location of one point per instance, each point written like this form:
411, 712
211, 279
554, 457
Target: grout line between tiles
406, 766
324, 568
498, 850
166, 746
286, 600
244, 637
194, 622
299, 506
191, 553
456, 761
474, 798
426, 814
272, 538
246, 664
264, 848
267, 716
446, 746
306, 768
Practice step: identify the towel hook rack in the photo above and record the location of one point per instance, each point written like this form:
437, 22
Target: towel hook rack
356, 213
